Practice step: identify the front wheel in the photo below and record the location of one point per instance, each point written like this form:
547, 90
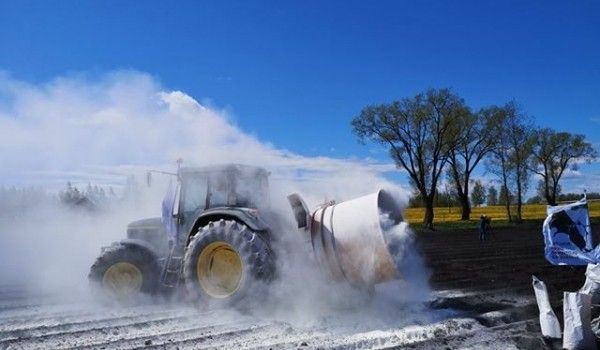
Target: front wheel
226, 262
124, 271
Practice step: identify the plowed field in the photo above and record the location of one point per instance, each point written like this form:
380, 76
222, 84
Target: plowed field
482, 299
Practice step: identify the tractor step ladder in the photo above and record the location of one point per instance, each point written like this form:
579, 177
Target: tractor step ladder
172, 269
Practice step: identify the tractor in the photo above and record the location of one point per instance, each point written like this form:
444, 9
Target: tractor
214, 237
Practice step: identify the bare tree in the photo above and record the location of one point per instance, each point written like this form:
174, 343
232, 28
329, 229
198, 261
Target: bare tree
475, 139
511, 153
554, 153
519, 132
498, 162
418, 132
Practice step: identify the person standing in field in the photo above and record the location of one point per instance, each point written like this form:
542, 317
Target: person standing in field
484, 226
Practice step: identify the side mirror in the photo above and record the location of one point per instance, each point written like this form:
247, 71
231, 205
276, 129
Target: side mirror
148, 178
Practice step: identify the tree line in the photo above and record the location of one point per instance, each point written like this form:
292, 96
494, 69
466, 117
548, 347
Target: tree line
435, 134
490, 196
447, 198
15, 201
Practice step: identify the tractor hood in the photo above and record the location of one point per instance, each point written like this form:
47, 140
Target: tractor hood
151, 231
150, 223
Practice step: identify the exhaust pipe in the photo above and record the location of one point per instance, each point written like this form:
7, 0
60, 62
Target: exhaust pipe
349, 239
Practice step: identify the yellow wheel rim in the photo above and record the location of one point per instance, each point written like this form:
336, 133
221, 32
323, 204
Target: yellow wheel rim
219, 270
123, 279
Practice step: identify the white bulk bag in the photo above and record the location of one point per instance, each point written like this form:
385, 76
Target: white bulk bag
578, 328
548, 320
592, 283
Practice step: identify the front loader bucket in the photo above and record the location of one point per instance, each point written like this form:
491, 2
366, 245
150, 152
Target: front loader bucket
349, 240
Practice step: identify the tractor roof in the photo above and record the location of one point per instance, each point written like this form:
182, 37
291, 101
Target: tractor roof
237, 169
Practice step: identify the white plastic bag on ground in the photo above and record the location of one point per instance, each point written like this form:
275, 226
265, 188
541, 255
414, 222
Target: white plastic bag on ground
592, 283
578, 328
548, 320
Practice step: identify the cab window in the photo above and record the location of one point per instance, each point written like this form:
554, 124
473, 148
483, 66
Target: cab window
194, 196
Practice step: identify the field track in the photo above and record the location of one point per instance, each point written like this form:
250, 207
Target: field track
482, 299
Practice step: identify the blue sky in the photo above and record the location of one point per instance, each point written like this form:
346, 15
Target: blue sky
295, 73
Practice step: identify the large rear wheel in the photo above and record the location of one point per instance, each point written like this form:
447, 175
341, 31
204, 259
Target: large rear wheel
225, 262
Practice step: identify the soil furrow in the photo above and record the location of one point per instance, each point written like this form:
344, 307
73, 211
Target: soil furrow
102, 335
50, 329
219, 340
186, 333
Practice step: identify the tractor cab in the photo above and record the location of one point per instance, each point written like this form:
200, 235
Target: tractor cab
207, 193
223, 186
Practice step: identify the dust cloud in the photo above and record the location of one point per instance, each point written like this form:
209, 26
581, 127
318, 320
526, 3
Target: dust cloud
105, 129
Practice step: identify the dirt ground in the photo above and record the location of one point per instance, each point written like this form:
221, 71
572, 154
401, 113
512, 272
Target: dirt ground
482, 299
506, 260
502, 266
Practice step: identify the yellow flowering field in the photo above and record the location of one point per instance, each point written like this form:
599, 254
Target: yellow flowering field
497, 213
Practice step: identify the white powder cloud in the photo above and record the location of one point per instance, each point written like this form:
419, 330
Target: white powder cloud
99, 129
102, 129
